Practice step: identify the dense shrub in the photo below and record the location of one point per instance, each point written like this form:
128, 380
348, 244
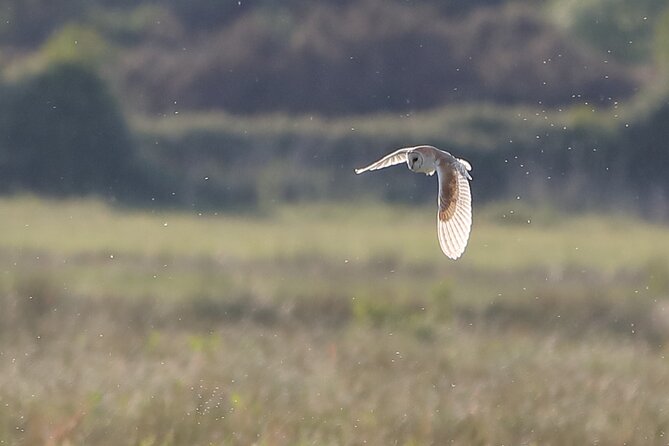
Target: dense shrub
646, 153
620, 28
574, 161
64, 134
370, 56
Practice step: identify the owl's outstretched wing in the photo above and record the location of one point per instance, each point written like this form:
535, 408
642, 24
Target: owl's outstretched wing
397, 157
454, 218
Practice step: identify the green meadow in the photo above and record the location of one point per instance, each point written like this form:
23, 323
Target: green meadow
329, 324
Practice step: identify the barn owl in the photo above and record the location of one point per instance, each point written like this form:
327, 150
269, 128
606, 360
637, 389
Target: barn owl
454, 217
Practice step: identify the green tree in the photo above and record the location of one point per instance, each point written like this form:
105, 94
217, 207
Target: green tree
66, 135
76, 44
661, 46
622, 27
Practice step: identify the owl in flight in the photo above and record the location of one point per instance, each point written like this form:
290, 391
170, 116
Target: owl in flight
454, 218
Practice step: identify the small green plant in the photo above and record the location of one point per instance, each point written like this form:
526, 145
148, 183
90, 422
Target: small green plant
206, 344
441, 300
657, 270
36, 296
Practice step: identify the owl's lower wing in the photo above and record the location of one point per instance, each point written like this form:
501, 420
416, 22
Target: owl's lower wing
397, 157
454, 218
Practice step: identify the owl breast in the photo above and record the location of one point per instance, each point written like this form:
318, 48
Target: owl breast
427, 167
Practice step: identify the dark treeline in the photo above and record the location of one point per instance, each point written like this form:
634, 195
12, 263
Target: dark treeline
250, 103
371, 56
572, 163
330, 57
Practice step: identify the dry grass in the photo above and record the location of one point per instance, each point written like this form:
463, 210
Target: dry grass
317, 325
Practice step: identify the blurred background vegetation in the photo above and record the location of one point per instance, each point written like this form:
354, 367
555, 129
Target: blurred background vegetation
186, 256
245, 103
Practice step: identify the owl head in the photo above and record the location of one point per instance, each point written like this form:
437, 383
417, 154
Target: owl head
415, 160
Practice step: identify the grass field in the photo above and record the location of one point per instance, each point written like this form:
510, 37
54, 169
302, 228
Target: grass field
329, 324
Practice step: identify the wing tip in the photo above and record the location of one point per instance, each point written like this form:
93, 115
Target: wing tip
359, 171
453, 240
453, 253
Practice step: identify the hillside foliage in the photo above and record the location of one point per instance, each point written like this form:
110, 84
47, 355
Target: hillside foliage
253, 103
